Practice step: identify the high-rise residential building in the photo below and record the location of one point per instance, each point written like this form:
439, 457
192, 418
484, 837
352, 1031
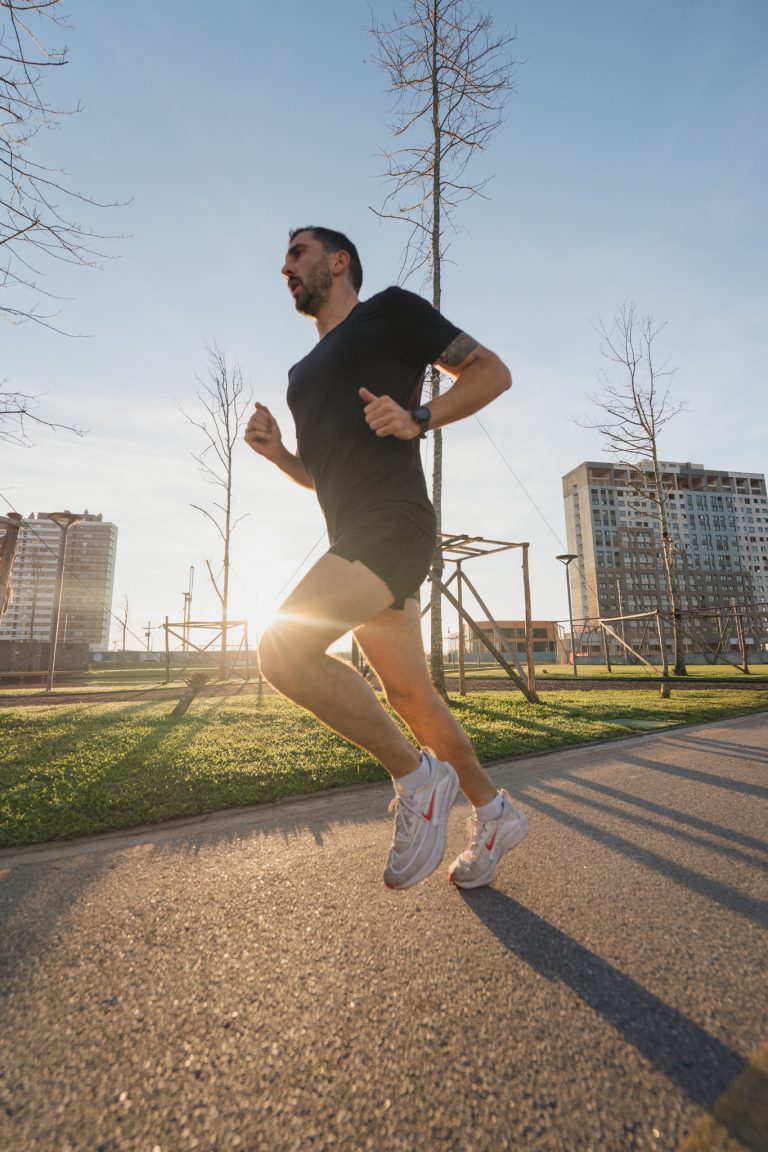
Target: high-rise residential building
717, 519
86, 599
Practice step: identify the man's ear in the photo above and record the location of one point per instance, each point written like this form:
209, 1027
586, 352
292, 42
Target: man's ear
340, 262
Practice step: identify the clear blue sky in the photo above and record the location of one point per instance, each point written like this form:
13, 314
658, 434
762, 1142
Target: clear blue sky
632, 165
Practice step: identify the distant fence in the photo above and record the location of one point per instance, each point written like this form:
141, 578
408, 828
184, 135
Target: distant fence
17, 656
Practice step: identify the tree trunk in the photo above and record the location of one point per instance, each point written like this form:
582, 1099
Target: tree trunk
670, 573
436, 662
225, 600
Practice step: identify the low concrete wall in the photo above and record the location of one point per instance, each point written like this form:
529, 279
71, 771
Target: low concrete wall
32, 656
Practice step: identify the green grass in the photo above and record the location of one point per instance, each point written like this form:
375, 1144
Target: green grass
106, 679
74, 770
619, 672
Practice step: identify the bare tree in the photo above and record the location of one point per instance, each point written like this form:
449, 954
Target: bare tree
38, 208
635, 409
450, 80
224, 400
17, 410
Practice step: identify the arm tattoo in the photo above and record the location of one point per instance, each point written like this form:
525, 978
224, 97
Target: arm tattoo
457, 351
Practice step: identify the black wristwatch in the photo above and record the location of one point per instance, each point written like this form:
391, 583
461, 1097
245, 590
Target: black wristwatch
422, 416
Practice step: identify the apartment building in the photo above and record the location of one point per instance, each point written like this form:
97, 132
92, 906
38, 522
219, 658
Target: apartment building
509, 636
89, 571
718, 520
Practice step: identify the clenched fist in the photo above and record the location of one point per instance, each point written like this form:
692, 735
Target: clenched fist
263, 434
385, 417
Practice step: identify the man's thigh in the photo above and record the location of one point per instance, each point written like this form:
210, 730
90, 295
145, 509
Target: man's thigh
334, 597
393, 645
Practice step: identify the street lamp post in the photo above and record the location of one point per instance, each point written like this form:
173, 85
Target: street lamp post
567, 559
65, 520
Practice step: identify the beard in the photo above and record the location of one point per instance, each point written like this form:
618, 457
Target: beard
315, 289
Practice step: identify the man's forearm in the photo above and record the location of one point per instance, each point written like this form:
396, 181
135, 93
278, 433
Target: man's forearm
293, 466
477, 385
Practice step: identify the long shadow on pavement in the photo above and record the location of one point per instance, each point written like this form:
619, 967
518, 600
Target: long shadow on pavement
745, 751
686, 1053
649, 823
740, 902
711, 827
727, 782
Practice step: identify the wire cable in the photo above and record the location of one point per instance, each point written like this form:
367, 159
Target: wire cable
519, 481
296, 570
590, 586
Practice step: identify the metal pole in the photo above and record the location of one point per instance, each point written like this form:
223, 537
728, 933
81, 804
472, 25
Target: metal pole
608, 665
167, 654
247, 653
567, 559
528, 625
620, 630
64, 525
662, 643
742, 638
570, 620
459, 582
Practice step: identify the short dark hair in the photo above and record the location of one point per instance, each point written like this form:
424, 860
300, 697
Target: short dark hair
333, 241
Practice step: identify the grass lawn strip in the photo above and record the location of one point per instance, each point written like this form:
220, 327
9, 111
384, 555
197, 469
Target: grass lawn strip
75, 770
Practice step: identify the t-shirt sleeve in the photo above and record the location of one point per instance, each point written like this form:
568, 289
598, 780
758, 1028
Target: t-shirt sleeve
424, 332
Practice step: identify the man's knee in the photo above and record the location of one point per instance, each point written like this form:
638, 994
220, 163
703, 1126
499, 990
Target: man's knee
283, 651
275, 659
409, 699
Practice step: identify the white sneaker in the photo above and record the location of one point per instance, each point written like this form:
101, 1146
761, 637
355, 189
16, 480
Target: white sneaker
477, 864
421, 820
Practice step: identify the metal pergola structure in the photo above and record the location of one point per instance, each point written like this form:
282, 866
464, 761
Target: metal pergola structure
181, 632
724, 619
457, 550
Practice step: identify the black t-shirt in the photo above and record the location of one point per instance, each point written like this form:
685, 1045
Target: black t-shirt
385, 344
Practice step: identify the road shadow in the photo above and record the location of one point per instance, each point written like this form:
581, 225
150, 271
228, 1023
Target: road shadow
728, 783
682, 1050
651, 823
710, 827
745, 751
742, 903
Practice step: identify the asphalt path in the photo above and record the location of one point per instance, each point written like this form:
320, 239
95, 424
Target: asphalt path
244, 981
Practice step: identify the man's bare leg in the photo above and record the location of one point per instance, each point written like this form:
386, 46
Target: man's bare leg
335, 596
393, 646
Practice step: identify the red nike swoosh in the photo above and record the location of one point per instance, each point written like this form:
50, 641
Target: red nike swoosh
490, 843
428, 814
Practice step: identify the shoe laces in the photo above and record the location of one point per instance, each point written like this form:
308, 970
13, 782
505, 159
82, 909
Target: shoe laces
405, 809
477, 832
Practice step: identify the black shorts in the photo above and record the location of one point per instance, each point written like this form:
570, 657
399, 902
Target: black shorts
393, 547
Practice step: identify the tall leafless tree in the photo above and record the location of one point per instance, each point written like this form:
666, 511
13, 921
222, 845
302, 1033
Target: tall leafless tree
224, 400
38, 208
450, 80
37, 205
635, 407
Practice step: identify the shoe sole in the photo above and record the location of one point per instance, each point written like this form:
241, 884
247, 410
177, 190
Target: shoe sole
483, 881
434, 860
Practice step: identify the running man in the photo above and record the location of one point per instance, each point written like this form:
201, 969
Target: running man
356, 402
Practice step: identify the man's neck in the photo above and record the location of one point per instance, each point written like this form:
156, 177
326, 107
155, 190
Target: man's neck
338, 307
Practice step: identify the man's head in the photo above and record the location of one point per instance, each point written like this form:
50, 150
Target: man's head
315, 257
